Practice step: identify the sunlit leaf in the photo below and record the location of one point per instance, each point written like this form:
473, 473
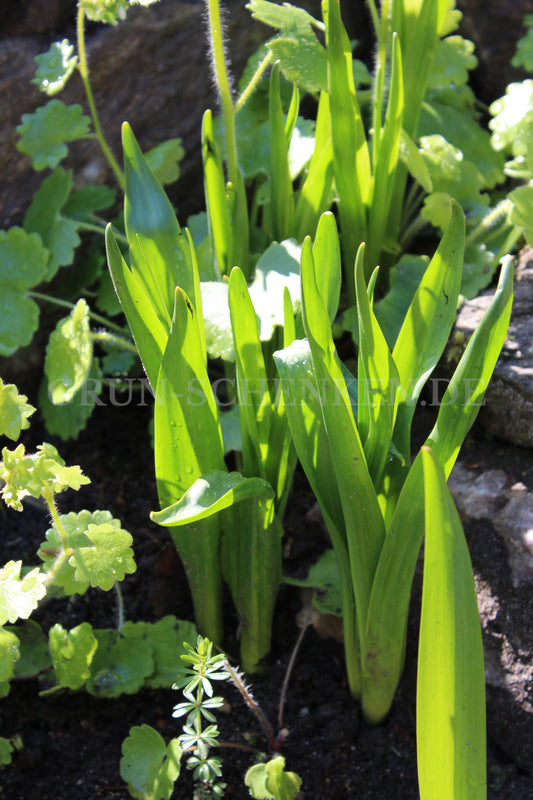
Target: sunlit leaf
148, 765
67, 420
55, 67
69, 355
72, 653
163, 160
14, 411
45, 132
524, 47
9, 655
108, 11
19, 596
512, 123
454, 58
120, 665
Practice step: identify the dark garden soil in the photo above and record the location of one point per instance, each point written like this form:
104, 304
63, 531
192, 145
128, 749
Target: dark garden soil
69, 744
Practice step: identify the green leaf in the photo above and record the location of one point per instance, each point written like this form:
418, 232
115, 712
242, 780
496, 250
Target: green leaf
522, 212
217, 322
512, 123
14, 411
404, 281
33, 647
66, 421
55, 67
324, 578
82, 203
414, 161
210, 494
44, 133
19, 596
451, 173
523, 56
163, 160
277, 268
9, 655
120, 665
166, 637
101, 552
69, 355
454, 58
148, 765
451, 741
72, 653
6, 748
270, 781
107, 11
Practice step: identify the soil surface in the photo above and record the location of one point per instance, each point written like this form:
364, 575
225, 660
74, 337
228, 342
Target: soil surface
70, 744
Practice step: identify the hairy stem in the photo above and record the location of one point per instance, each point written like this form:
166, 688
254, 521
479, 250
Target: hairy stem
65, 304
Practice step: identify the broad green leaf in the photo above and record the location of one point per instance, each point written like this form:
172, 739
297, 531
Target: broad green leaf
316, 193
36, 474
461, 130
9, 655
413, 160
523, 56
33, 649
217, 322
120, 664
83, 203
451, 173
107, 11
148, 765
166, 637
23, 260
327, 257
478, 269
19, 597
210, 494
454, 58
69, 355
277, 268
404, 281
19, 319
149, 332
512, 123
324, 578
98, 551
67, 420
220, 227
55, 67
437, 209
522, 212
72, 652
6, 748
163, 160
270, 781
44, 133
14, 411
450, 705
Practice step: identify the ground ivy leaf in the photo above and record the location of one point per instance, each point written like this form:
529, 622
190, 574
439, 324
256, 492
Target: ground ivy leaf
72, 653
522, 211
166, 638
323, 577
9, 655
19, 319
68, 420
45, 132
478, 268
6, 748
69, 355
148, 765
101, 551
43, 217
84, 202
55, 67
107, 11
119, 666
523, 56
163, 160
512, 123
19, 596
14, 411
33, 646
454, 58
451, 173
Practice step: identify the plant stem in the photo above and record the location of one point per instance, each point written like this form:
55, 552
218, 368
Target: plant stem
84, 72
236, 679
307, 620
241, 101
120, 606
111, 338
87, 226
66, 304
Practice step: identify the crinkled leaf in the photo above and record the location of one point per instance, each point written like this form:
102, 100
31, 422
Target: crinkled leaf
166, 638
33, 647
451, 173
523, 56
278, 267
69, 355
107, 11
83, 203
23, 259
512, 123
72, 653
66, 421
324, 578
460, 129
44, 217
454, 57
148, 765
163, 160
101, 551
14, 411
19, 596
270, 781
522, 212
120, 665
9, 655
45, 132
55, 67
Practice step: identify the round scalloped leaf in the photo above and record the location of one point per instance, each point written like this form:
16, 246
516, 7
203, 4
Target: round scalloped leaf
44, 218
23, 259
19, 319
14, 411
102, 552
166, 638
512, 123
55, 67
33, 646
119, 666
9, 655
45, 132
68, 420
163, 160
107, 11
19, 596
452, 173
6, 748
72, 653
454, 58
69, 355
523, 56
148, 765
